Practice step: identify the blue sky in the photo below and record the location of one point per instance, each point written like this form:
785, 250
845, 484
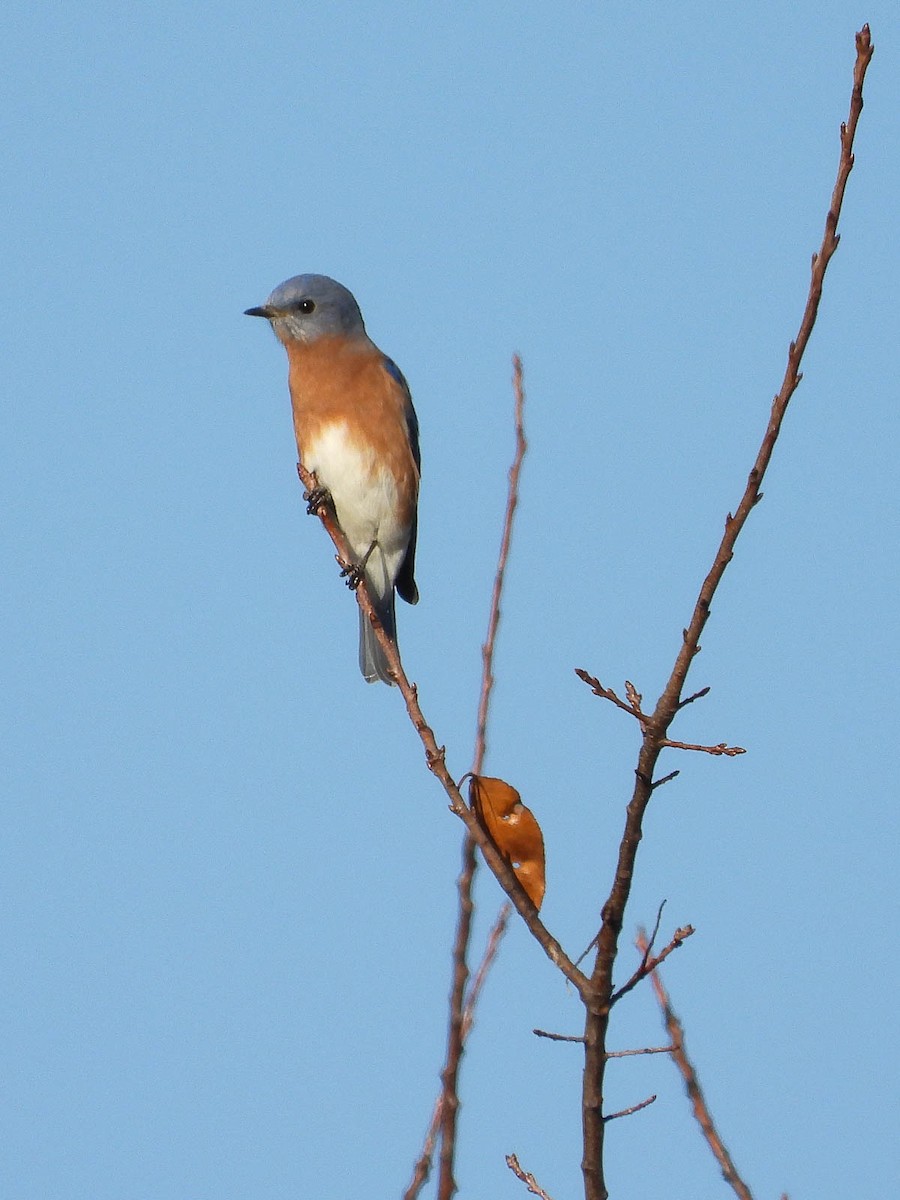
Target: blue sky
228, 880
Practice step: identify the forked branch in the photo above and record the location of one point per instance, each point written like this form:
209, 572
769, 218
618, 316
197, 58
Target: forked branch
655, 727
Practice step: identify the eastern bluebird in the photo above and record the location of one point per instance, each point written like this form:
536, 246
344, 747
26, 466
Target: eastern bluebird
357, 430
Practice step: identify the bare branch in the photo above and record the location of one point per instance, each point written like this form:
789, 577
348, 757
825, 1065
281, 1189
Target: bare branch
491, 950
626, 1112
632, 706
456, 1037
447, 1107
665, 779
435, 761
656, 727
792, 375
422, 1168
456, 1032
718, 749
512, 500
656, 925
588, 948
648, 964
527, 1178
692, 1085
608, 694
644, 1050
579, 1038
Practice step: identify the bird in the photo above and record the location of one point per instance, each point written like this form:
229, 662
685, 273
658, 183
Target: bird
357, 431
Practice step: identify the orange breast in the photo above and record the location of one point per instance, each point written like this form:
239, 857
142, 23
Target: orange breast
334, 380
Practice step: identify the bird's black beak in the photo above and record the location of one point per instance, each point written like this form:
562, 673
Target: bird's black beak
261, 311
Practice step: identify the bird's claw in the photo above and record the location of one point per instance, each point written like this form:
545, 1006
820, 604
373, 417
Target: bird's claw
353, 574
319, 497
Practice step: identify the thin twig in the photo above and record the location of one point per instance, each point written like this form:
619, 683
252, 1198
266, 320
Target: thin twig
608, 694
658, 783
512, 500
588, 948
644, 1050
447, 1106
449, 1102
648, 965
465, 884
527, 1178
422, 1168
692, 1085
718, 749
579, 1038
655, 728
656, 925
491, 950
626, 1112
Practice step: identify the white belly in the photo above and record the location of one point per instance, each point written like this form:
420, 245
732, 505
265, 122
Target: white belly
365, 500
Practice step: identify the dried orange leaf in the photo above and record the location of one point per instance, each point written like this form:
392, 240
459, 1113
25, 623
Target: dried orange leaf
513, 830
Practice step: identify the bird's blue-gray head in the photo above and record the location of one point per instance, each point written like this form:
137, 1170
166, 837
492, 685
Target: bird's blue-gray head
308, 307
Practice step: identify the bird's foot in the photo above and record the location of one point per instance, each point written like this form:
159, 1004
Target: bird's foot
353, 574
319, 497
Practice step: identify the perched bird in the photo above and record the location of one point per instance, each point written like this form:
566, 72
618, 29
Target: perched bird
357, 431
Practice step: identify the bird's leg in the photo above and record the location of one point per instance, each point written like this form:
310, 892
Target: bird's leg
356, 571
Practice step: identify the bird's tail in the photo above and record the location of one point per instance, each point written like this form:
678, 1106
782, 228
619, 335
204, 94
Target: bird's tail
372, 661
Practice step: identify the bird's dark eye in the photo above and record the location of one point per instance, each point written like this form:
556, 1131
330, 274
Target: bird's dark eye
307, 306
